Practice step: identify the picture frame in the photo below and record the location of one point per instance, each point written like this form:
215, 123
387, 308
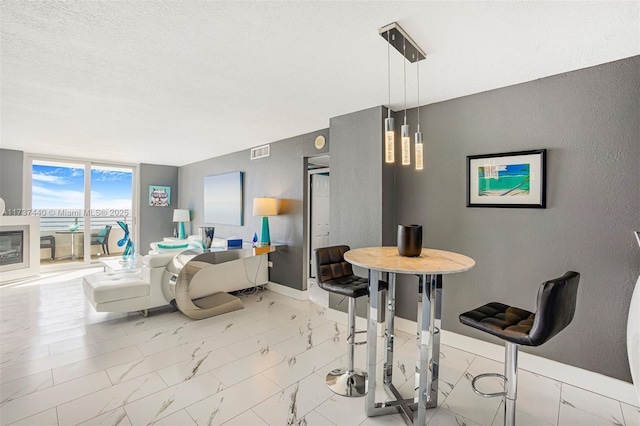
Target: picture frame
223, 199
159, 196
507, 180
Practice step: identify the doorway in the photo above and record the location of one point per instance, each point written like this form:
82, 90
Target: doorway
319, 227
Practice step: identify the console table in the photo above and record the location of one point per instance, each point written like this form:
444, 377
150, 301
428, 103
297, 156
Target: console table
191, 262
430, 265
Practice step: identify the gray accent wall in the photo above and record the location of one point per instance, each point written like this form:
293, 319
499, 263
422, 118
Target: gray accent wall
361, 187
589, 122
156, 222
11, 178
281, 175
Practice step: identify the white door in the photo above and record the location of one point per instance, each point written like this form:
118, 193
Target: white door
319, 215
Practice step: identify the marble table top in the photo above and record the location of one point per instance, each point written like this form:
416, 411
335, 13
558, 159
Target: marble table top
430, 261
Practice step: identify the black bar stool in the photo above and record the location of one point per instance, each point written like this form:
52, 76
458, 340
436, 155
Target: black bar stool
556, 305
335, 275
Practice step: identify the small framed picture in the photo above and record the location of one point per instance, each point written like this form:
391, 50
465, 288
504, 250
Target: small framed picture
511, 179
159, 196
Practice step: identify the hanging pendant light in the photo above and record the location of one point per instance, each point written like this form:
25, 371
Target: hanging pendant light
418, 136
389, 123
404, 130
400, 40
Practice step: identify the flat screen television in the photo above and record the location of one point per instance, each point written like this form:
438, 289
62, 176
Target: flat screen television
223, 199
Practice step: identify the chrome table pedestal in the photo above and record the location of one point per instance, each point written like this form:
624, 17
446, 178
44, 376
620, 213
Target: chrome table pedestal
430, 266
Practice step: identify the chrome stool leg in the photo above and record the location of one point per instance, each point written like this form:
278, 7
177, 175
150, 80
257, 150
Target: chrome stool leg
349, 381
510, 379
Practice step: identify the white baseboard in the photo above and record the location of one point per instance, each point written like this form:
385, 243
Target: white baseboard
585, 379
288, 291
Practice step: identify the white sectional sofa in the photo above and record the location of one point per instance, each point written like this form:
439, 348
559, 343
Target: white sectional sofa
155, 284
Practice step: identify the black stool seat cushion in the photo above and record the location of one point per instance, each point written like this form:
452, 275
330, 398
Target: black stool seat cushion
556, 305
335, 275
507, 322
353, 286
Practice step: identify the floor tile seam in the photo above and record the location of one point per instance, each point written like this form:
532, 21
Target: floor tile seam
10, 398
587, 412
89, 372
16, 361
48, 407
44, 368
298, 416
109, 387
247, 407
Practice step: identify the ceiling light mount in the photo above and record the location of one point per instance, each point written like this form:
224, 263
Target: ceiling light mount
400, 40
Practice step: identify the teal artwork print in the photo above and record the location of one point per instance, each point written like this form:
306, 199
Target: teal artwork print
504, 180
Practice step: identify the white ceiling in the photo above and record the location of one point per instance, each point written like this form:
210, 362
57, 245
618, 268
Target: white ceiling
175, 82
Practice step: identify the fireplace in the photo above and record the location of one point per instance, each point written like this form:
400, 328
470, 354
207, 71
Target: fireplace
19, 247
12, 249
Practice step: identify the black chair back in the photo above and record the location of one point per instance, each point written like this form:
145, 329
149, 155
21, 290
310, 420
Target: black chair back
330, 263
556, 306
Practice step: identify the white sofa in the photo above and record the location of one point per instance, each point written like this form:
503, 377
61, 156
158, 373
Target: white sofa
155, 284
128, 291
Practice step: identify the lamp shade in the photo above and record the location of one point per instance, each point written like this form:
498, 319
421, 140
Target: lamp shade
181, 215
265, 206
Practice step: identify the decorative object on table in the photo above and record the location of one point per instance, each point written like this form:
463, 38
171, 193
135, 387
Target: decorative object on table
633, 333
2, 207
265, 206
556, 306
128, 255
181, 216
511, 179
159, 196
234, 243
255, 238
400, 40
206, 236
73, 227
223, 199
409, 240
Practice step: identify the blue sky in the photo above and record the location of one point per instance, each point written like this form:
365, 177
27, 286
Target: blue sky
61, 186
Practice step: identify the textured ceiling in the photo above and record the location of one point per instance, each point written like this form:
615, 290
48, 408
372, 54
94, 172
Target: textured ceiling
174, 82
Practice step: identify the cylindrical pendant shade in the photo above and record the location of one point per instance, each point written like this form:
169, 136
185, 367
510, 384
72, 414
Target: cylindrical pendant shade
265, 206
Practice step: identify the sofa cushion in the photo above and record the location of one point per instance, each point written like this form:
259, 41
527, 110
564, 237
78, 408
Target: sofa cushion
157, 260
105, 287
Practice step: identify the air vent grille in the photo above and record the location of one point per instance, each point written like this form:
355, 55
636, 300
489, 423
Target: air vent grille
260, 152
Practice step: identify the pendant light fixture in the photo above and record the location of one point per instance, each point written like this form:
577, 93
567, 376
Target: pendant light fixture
418, 136
404, 130
400, 40
389, 123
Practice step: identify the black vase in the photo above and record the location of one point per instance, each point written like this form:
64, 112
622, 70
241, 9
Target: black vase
409, 240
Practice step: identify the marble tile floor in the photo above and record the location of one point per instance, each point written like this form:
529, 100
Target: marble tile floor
61, 363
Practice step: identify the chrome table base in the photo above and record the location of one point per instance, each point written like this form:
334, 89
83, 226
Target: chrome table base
414, 411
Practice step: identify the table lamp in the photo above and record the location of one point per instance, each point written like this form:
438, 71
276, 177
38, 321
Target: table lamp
181, 216
265, 206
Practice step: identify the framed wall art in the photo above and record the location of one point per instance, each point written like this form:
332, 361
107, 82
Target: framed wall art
511, 179
223, 199
159, 196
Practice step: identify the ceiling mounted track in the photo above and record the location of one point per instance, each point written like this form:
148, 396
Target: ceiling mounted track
396, 37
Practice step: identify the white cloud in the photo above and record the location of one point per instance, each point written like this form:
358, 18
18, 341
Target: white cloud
41, 177
43, 198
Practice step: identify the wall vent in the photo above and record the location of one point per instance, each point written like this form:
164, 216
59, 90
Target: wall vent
260, 152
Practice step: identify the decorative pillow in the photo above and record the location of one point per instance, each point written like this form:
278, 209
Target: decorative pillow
102, 232
172, 246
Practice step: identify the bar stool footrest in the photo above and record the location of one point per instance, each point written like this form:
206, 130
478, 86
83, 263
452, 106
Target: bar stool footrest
489, 395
